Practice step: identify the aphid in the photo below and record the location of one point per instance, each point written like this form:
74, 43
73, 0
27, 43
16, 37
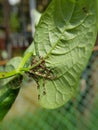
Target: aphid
39, 74
15, 83
38, 85
44, 89
3, 75
44, 92
40, 70
85, 10
39, 97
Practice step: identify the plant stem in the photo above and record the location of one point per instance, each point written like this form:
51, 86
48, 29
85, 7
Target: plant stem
8, 74
24, 60
19, 70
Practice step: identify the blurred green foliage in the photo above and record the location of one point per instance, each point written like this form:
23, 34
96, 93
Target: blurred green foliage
14, 22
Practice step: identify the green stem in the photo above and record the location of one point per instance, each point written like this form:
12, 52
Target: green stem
25, 58
19, 70
8, 74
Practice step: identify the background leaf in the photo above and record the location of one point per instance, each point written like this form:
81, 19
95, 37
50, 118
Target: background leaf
9, 87
64, 38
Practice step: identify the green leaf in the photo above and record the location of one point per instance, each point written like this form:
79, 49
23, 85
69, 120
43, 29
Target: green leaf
13, 64
30, 49
9, 87
64, 40
7, 98
23, 65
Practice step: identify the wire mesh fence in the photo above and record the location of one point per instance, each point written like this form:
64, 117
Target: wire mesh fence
81, 113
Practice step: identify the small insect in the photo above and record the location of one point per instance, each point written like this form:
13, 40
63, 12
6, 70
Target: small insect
41, 70
38, 86
85, 10
39, 97
48, 75
3, 75
44, 92
44, 89
15, 83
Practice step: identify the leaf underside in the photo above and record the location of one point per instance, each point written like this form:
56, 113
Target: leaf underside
64, 38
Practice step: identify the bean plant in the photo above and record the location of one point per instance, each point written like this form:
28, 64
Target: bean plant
63, 43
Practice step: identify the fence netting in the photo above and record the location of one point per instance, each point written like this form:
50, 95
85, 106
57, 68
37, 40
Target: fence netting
81, 113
